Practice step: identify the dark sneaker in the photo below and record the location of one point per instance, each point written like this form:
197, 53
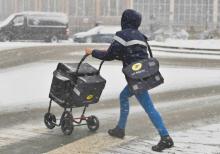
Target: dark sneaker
164, 143
117, 132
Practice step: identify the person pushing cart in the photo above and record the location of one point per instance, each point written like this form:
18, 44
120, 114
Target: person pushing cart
130, 45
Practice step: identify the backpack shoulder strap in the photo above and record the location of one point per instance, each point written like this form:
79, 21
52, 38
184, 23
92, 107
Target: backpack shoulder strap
148, 47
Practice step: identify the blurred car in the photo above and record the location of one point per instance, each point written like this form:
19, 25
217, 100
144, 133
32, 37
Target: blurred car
98, 34
163, 33
46, 26
209, 34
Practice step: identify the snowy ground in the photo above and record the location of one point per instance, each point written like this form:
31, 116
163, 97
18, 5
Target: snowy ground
185, 141
200, 44
201, 140
27, 86
17, 45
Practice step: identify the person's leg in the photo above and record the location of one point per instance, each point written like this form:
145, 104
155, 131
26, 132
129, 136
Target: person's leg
119, 131
153, 114
165, 141
124, 107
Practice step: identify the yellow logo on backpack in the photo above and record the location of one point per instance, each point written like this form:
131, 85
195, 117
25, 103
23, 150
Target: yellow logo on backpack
137, 67
90, 97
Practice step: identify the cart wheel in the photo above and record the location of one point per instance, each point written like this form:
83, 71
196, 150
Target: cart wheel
67, 126
50, 120
93, 123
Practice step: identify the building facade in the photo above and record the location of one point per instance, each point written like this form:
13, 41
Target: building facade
83, 14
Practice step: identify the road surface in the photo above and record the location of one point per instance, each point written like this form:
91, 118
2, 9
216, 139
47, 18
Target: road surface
24, 131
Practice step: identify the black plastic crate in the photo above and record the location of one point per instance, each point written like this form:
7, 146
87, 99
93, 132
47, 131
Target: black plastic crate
70, 88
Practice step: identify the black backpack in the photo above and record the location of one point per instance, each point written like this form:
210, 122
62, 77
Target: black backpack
143, 74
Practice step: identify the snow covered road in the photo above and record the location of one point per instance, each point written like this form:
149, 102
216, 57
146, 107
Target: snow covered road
192, 115
17, 53
27, 86
201, 140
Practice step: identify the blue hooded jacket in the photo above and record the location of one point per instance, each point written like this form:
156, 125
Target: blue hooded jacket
129, 45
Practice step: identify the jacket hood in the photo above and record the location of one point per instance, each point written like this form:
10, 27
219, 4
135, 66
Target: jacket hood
130, 19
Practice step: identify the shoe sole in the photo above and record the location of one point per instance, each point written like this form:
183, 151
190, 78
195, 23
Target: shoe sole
163, 149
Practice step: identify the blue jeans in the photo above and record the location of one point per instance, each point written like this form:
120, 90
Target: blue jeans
146, 102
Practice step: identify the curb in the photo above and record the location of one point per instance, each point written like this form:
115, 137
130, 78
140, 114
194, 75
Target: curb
91, 145
186, 48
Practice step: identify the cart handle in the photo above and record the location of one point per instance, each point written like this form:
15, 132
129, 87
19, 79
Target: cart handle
100, 66
83, 59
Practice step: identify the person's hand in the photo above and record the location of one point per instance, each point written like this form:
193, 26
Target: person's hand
88, 51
